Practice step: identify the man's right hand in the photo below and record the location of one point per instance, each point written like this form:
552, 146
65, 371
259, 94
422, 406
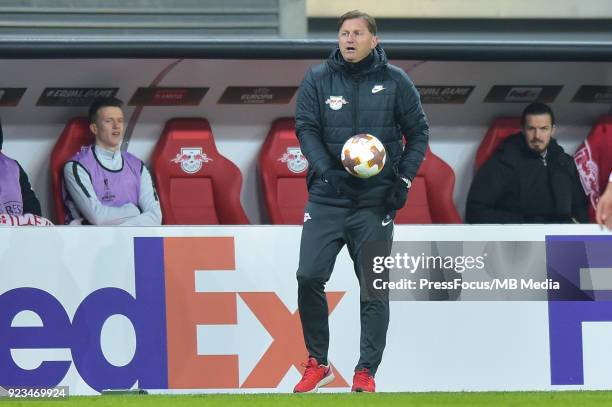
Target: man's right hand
339, 180
603, 215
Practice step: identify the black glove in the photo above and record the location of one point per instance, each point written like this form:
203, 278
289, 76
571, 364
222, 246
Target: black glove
398, 194
339, 180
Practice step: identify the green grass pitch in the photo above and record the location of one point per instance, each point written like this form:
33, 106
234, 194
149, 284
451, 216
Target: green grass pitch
562, 398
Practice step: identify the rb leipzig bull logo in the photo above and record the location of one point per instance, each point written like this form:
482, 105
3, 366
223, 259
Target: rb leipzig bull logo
588, 172
191, 159
336, 102
296, 162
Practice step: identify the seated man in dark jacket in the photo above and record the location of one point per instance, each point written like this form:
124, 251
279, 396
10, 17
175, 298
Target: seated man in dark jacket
529, 179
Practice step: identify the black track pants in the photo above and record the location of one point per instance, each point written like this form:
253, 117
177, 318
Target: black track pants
326, 230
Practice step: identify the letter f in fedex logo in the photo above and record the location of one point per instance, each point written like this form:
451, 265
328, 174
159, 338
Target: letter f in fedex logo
167, 314
585, 262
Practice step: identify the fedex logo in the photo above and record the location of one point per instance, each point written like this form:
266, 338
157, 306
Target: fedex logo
585, 262
167, 315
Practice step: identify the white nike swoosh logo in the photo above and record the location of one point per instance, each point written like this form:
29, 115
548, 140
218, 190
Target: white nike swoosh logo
376, 90
386, 222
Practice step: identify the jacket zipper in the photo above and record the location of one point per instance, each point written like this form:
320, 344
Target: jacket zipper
355, 105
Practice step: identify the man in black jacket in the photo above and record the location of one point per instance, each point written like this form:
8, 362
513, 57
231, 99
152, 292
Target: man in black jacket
529, 179
355, 91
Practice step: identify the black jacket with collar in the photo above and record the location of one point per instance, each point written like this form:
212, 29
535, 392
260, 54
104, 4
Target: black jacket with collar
505, 189
337, 101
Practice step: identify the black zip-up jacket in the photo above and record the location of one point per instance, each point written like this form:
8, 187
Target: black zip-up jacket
514, 186
337, 101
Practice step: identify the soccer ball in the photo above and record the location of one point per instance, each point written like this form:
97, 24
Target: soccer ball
363, 155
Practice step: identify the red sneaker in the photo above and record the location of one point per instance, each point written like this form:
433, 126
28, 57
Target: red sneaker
315, 376
363, 381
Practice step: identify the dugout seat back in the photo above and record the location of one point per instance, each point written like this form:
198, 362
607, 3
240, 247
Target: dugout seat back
430, 199
282, 174
75, 135
499, 130
195, 183
594, 161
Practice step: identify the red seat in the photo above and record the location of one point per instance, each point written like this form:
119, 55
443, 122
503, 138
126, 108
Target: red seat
195, 183
282, 172
430, 199
500, 129
594, 161
76, 135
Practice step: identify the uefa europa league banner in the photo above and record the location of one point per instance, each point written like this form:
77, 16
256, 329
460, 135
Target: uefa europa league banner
214, 309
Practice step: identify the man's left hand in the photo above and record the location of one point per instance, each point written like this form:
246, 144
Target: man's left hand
398, 194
